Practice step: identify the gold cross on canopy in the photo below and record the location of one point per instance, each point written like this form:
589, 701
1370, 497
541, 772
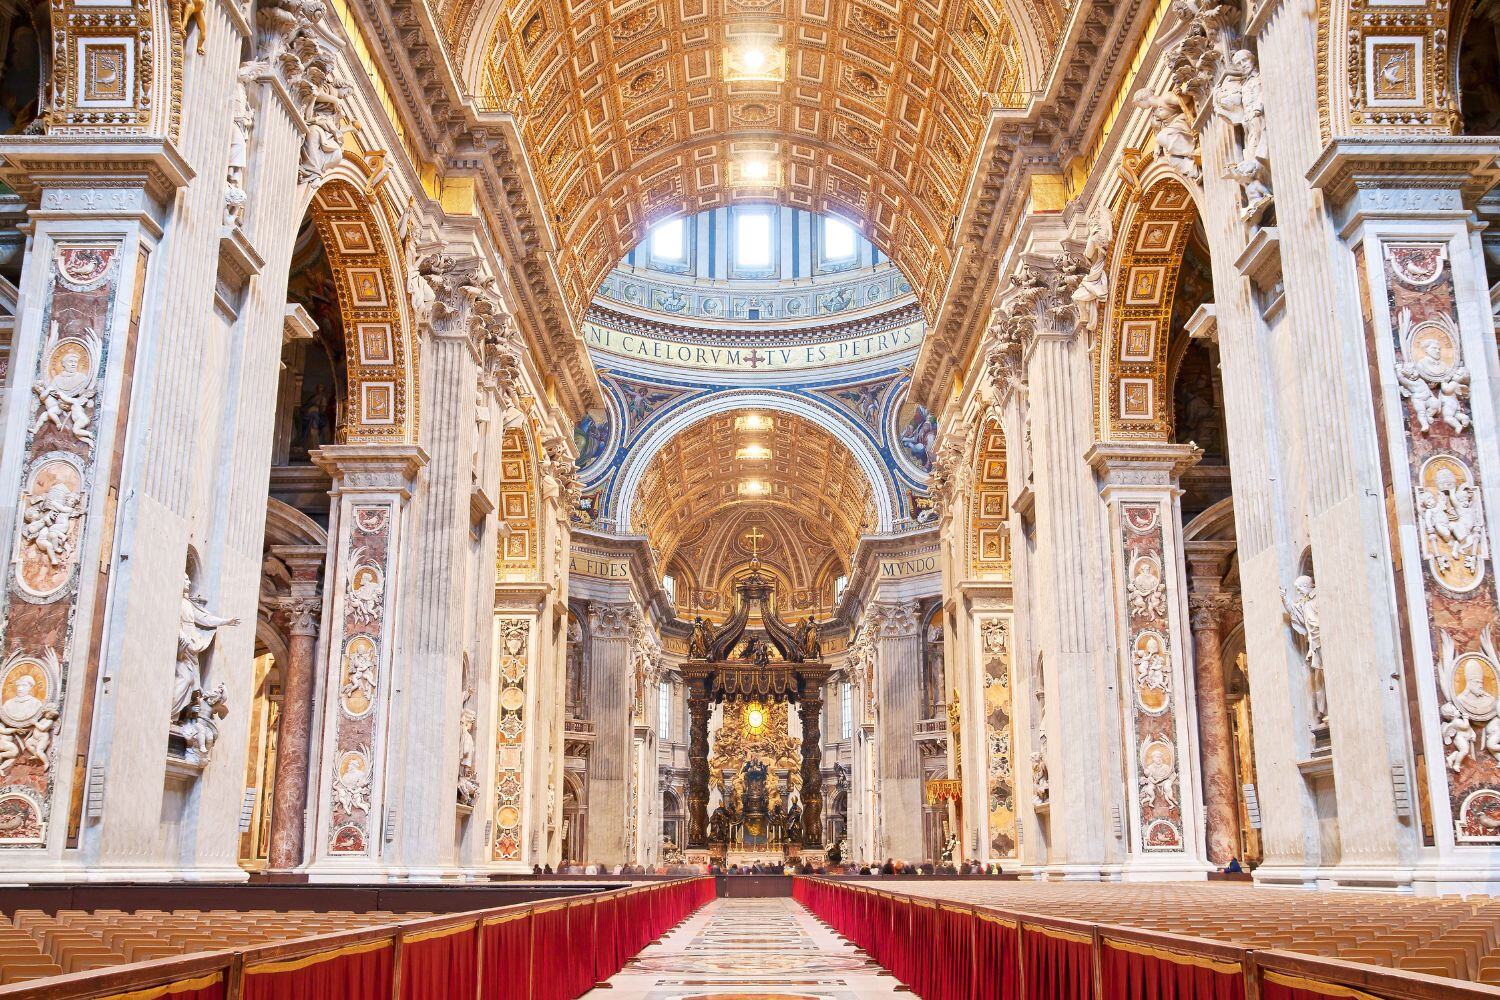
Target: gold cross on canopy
754, 536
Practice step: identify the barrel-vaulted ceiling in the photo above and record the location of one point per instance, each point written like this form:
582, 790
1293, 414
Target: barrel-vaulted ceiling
752, 459
633, 111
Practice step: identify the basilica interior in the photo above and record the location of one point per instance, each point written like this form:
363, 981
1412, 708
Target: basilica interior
509, 497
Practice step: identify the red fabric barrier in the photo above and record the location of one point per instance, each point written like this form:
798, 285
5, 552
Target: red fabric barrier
953, 976
1056, 964
439, 964
551, 962
581, 944
921, 952
997, 959
507, 956
355, 972
607, 957
1140, 972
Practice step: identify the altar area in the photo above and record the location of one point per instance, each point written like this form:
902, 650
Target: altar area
755, 791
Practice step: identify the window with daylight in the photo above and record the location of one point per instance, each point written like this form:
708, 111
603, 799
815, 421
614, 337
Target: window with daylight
668, 241
669, 586
840, 242
846, 707
664, 712
752, 241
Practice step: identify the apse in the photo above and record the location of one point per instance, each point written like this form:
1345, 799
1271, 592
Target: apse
752, 485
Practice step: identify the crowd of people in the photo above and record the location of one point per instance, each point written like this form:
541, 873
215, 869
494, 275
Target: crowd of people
792, 866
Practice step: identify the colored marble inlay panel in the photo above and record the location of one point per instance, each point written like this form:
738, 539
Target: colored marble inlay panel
1149, 651
1000, 771
360, 679
1457, 573
513, 641
42, 586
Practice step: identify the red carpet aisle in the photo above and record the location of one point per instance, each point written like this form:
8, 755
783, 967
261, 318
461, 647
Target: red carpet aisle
750, 949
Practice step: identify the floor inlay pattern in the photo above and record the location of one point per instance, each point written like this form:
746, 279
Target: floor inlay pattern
750, 949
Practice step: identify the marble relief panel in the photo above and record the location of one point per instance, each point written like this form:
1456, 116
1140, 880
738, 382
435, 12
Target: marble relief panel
360, 679
1456, 567
513, 640
1000, 772
40, 599
1149, 649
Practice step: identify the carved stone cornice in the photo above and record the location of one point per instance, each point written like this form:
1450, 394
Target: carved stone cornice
66, 164
1406, 176
1141, 463
371, 468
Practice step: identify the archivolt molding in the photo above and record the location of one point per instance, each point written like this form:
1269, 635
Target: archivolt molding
516, 507
700, 474
381, 355
826, 419
1131, 369
989, 507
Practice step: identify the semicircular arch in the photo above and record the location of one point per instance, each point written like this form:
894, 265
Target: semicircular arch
380, 352
843, 430
1134, 399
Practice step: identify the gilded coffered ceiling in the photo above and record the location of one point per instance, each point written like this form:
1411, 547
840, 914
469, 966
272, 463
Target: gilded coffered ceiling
634, 111
724, 465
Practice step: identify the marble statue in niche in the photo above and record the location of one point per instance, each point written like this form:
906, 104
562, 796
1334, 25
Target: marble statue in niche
468, 774
195, 709
242, 115
1239, 100
1431, 372
27, 716
1471, 712
67, 389
1302, 614
1041, 788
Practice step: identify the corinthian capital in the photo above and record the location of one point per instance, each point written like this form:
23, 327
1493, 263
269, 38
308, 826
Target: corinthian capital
300, 614
612, 621
948, 480
892, 621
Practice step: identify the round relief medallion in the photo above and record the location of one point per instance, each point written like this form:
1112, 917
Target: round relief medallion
512, 698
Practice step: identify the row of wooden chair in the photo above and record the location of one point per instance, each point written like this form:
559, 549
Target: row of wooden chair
1456, 937
35, 944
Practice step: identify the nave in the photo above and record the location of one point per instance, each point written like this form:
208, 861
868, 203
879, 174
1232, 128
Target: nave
772, 949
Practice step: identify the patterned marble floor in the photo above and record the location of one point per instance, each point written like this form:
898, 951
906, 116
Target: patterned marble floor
750, 949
